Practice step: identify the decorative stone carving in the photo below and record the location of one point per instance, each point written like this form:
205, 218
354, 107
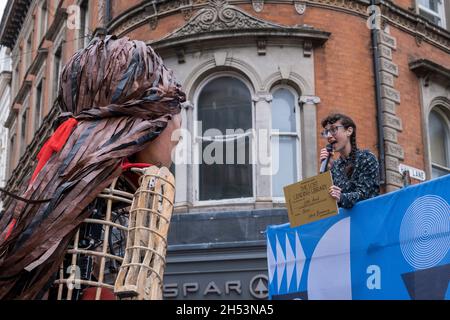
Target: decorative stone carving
130, 23
186, 9
262, 96
285, 71
385, 52
392, 122
389, 106
394, 150
261, 46
390, 93
390, 134
392, 14
153, 13
421, 30
258, 5
309, 100
220, 57
387, 79
300, 7
307, 48
391, 163
389, 66
387, 40
394, 178
220, 16
180, 55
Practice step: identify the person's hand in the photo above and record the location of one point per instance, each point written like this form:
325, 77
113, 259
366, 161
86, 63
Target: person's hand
324, 154
335, 192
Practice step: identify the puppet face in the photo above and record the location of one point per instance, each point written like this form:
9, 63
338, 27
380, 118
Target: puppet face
159, 151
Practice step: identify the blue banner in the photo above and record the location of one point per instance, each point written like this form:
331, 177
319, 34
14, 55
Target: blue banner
395, 246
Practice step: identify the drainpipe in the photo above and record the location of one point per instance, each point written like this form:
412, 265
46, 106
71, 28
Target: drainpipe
376, 66
107, 12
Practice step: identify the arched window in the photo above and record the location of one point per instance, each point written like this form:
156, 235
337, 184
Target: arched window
224, 112
285, 158
439, 134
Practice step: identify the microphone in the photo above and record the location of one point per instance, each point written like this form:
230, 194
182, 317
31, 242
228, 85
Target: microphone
324, 164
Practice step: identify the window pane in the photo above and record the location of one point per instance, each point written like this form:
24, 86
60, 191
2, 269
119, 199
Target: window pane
226, 181
430, 4
432, 18
38, 111
438, 172
225, 103
438, 139
283, 116
285, 160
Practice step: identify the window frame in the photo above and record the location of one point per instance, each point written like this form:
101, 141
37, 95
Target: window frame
58, 45
38, 118
84, 32
24, 128
196, 143
12, 145
297, 134
445, 118
440, 14
29, 50
43, 19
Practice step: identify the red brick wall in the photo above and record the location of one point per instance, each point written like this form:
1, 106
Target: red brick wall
120, 6
165, 26
343, 66
344, 73
408, 84
405, 4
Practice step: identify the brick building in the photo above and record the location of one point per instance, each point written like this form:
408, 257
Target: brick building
277, 67
5, 98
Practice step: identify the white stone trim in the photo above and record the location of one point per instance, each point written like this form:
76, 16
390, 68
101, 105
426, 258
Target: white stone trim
197, 147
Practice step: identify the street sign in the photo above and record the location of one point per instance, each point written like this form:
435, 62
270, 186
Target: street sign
413, 172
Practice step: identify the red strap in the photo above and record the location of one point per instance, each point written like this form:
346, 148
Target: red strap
127, 165
10, 228
54, 144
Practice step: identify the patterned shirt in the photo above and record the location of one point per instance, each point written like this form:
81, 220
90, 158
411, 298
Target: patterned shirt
364, 182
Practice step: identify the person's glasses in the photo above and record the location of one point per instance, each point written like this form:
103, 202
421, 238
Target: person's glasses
332, 130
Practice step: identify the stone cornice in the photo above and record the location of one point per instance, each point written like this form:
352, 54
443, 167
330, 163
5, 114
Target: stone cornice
425, 68
417, 26
5, 79
402, 18
60, 17
220, 21
12, 20
11, 116
24, 89
38, 61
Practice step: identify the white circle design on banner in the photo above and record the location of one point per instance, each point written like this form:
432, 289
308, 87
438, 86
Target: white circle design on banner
425, 232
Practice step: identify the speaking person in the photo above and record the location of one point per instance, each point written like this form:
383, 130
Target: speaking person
355, 172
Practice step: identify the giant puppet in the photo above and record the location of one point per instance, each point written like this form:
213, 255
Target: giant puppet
116, 99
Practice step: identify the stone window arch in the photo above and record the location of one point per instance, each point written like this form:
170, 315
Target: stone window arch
439, 140
223, 120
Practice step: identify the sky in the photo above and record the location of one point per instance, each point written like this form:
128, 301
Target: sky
2, 7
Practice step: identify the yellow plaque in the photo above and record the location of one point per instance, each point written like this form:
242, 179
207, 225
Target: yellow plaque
308, 200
